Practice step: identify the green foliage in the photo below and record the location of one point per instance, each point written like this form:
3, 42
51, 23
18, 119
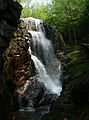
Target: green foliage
65, 15
70, 17
37, 11
25, 12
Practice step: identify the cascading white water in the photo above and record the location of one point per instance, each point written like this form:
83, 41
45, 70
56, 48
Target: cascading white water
42, 53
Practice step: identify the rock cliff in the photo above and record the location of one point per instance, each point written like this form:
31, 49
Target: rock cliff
9, 18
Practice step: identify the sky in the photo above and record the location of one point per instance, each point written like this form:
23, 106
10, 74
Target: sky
41, 1
37, 2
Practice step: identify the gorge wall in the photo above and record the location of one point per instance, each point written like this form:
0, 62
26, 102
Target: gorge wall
9, 18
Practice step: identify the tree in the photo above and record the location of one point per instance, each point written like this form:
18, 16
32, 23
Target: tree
70, 17
65, 15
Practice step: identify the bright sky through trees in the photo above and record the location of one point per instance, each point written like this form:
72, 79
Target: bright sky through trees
32, 2
41, 1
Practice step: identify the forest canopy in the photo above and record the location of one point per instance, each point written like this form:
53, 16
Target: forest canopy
70, 17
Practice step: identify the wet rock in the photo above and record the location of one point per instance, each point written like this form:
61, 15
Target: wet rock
30, 25
34, 94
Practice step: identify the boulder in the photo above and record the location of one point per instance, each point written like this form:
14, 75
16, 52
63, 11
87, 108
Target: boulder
55, 36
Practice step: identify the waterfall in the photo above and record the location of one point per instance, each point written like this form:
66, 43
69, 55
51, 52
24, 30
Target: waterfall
42, 89
47, 66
